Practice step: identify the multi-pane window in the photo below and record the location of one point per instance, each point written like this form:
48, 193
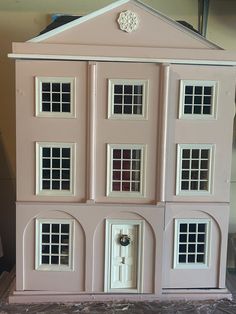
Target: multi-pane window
127, 99
191, 243
197, 99
55, 168
125, 170
54, 244
194, 168
55, 97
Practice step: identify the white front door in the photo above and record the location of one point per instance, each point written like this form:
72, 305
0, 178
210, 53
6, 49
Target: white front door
123, 256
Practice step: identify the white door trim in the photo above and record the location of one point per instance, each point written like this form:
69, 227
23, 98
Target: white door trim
107, 269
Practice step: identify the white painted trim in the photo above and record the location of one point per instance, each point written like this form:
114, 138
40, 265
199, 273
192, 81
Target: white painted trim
38, 231
39, 190
112, 115
202, 83
107, 264
114, 5
162, 139
184, 266
142, 193
211, 148
119, 59
91, 148
38, 97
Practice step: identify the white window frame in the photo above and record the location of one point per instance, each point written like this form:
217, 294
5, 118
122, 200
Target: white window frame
38, 97
130, 194
112, 83
179, 191
204, 265
39, 190
202, 83
38, 245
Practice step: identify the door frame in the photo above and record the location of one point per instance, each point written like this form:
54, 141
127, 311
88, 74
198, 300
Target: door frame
107, 264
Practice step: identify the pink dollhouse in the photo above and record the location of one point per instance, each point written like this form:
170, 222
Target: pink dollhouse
124, 130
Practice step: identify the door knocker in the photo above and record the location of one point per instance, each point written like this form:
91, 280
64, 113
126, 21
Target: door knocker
124, 240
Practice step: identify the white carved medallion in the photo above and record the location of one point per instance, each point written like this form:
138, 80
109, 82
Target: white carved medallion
128, 21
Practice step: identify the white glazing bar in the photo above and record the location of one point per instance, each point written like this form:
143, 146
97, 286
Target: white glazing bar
165, 73
91, 166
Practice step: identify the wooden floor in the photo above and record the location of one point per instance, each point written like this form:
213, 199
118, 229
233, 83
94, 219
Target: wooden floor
185, 307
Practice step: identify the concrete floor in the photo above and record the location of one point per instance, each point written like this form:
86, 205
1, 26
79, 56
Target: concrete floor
185, 307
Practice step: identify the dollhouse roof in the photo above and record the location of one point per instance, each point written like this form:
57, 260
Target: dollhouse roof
102, 28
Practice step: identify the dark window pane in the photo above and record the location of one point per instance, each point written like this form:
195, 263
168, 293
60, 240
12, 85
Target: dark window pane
45, 238
64, 260
138, 89
118, 89
198, 90
128, 89
45, 249
64, 239
118, 99
65, 174
46, 227
116, 186
182, 248
207, 100
66, 152
126, 165
46, 152
46, 97
192, 227
66, 97
194, 175
56, 185
184, 185
191, 248
126, 186
201, 238
55, 238
200, 248
188, 89
128, 109
126, 154
185, 175
56, 87
182, 258
204, 153
46, 107
197, 109
138, 100
186, 153
56, 97
206, 110
195, 153
201, 227
204, 185
127, 100
54, 260
46, 185
208, 90
185, 164
66, 87
116, 153
200, 258
55, 249
188, 109
192, 237
183, 227
136, 154
188, 100
46, 174
65, 185
182, 238
116, 164
135, 187
197, 100
45, 259
55, 228
56, 152
65, 107
46, 87
65, 228
55, 107
65, 163
118, 109
56, 163
195, 164
194, 185
137, 110
191, 258
55, 174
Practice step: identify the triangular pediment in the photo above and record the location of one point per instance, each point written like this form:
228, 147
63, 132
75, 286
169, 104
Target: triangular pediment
139, 26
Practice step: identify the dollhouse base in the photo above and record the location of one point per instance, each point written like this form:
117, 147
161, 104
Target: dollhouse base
167, 295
